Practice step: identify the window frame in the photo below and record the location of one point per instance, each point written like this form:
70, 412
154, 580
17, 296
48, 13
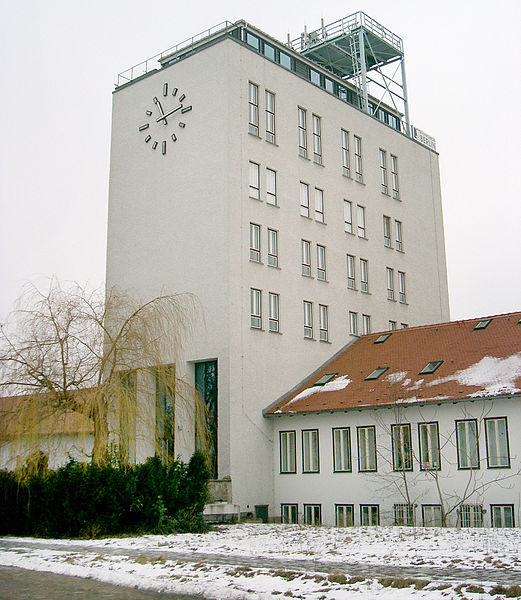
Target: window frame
366, 324
361, 221
346, 508
310, 445
270, 116
308, 319
321, 263
274, 312
271, 187
399, 448
390, 283
429, 465
344, 451
319, 206
474, 518
394, 177
359, 174
316, 516
501, 466
273, 247
372, 509
351, 271
348, 216
387, 231
255, 303
503, 507
402, 291
317, 138
407, 518
290, 444
253, 108
305, 257
346, 162
383, 172
364, 275
433, 520
288, 509
304, 200
398, 233
323, 318
302, 132
254, 180
367, 459
353, 323
255, 242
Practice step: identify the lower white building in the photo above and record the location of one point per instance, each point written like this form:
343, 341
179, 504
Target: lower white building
416, 426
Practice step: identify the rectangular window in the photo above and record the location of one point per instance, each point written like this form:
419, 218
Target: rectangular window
369, 515
308, 319
404, 325
366, 324
390, 284
289, 514
431, 515
319, 205
392, 325
341, 450
317, 140
358, 159
467, 443
254, 181
306, 257
273, 312
256, 308
404, 515
273, 248
348, 216
353, 323
304, 199
498, 455
387, 232
502, 515
471, 515
270, 117
351, 281
394, 176
402, 447
321, 262
429, 446
401, 287
253, 108
302, 132
312, 514
288, 462
383, 171
310, 461
366, 448
271, 187
255, 253
364, 275
346, 170
323, 322
344, 515
399, 235
361, 221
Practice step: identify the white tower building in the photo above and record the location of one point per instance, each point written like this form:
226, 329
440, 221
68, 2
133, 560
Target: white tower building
268, 180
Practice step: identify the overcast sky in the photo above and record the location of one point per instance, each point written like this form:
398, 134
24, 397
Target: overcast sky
60, 59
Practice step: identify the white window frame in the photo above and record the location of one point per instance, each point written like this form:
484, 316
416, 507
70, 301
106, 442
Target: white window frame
348, 216
364, 275
323, 319
467, 443
308, 319
394, 177
302, 132
367, 460
304, 199
319, 205
317, 139
398, 229
351, 274
498, 452
390, 283
253, 108
353, 323
402, 447
358, 159
366, 324
274, 312
270, 117
271, 186
305, 253
387, 231
321, 263
342, 450
383, 171
288, 451
344, 515
254, 179
402, 296
346, 163
392, 325
429, 442
273, 248
255, 308
310, 451
255, 243
361, 221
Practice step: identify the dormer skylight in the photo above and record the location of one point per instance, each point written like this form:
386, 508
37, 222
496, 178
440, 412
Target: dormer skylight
382, 338
430, 367
483, 324
376, 373
325, 379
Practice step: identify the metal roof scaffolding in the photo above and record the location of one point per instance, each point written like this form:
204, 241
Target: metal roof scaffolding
368, 55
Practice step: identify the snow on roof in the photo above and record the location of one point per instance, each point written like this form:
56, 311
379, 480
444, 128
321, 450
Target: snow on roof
476, 363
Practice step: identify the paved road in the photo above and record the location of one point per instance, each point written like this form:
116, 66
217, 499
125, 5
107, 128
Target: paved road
19, 584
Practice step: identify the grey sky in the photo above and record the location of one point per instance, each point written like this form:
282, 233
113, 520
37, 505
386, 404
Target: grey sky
60, 60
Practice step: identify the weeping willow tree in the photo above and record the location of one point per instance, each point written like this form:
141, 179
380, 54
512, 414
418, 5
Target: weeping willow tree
73, 360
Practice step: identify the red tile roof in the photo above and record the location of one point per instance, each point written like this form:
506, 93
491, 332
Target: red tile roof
476, 363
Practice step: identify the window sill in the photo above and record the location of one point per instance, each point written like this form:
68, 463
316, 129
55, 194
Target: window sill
363, 237
310, 339
323, 280
306, 217
307, 276
257, 329
391, 299
277, 332
253, 198
257, 262
274, 266
366, 293
271, 204
320, 222
404, 303
325, 341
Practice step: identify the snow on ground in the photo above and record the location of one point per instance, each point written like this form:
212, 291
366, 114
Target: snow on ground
450, 549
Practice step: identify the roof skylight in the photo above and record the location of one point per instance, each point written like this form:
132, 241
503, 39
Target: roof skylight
382, 338
430, 367
483, 324
376, 373
325, 379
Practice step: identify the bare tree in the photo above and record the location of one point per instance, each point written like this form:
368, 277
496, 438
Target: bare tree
76, 351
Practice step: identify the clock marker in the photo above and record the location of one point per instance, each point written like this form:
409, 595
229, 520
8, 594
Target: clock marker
181, 98
181, 124
174, 137
186, 109
148, 138
154, 145
174, 91
163, 147
149, 113
143, 127
165, 89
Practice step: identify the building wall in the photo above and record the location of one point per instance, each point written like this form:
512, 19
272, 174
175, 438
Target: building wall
180, 223
484, 486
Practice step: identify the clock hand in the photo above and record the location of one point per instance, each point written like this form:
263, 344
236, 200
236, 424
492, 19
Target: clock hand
164, 116
158, 104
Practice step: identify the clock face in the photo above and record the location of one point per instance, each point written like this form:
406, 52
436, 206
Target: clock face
164, 119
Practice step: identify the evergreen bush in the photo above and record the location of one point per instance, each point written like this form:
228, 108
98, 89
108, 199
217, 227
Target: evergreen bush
89, 500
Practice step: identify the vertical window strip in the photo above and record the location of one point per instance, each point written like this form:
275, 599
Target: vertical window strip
399, 235
304, 199
366, 324
348, 216
364, 275
361, 221
310, 458
271, 187
387, 231
308, 319
306, 257
253, 108
467, 443
429, 447
321, 262
346, 167
323, 323
319, 205
255, 254
497, 442
256, 308
273, 303
351, 281
353, 323
273, 248
383, 171
317, 139
390, 283
402, 447
401, 287
358, 159
270, 117
341, 449
394, 177
254, 180
302, 132
287, 451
